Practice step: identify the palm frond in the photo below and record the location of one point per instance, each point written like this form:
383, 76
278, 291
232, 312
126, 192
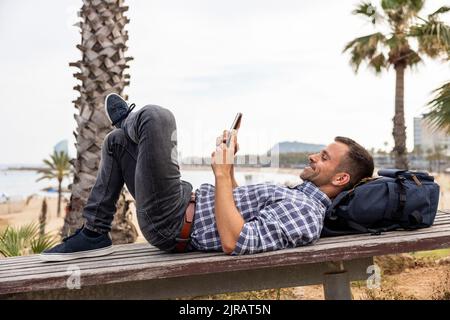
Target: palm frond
365, 48
414, 5
24, 240
433, 37
50, 164
43, 242
47, 175
378, 63
10, 243
28, 231
412, 58
402, 5
58, 167
401, 12
368, 10
439, 11
439, 114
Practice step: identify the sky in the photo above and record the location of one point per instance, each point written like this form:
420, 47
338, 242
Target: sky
280, 63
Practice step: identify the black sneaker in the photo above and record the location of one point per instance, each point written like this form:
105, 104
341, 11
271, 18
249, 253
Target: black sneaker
117, 109
79, 245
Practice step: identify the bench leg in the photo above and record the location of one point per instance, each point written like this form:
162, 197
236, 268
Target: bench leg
336, 286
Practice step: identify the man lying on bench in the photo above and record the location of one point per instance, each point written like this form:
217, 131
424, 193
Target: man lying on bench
142, 152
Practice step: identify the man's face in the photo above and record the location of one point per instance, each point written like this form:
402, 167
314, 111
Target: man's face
323, 165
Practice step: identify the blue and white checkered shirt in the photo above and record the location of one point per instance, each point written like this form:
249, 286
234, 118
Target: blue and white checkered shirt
276, 217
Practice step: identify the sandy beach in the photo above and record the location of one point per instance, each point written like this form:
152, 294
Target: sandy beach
20, 213
29, 213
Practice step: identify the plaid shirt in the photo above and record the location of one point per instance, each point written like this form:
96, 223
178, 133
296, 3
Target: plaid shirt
276, 217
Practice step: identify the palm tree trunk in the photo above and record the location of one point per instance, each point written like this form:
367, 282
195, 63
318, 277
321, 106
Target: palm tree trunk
102, 71
58, 211
399, 131
123, 231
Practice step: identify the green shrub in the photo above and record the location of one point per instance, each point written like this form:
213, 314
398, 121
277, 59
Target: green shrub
24, 240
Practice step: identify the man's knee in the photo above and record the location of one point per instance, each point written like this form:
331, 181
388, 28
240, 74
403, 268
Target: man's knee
117, 136
157, 112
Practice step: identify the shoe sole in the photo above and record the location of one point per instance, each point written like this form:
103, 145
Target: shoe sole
106, 109
55, 257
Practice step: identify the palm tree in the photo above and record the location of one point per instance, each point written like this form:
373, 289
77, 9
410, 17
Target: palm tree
102, 71
394, 49
58, 167
437, 155
418, 151
122, 230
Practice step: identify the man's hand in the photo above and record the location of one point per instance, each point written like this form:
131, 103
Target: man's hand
229, 220
223, 139
222, 160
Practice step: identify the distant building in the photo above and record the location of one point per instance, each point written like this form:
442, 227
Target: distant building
428, 138
62, 146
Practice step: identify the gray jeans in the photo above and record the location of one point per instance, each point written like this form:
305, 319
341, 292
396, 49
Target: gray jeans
143, 155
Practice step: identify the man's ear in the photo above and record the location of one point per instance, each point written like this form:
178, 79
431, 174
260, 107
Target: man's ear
341, 179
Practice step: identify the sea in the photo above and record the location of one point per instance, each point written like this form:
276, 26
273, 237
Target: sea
19, 184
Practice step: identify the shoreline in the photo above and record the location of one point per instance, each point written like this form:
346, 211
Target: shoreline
22, 169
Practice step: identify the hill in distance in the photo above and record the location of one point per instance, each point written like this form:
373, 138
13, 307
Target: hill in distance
297, 147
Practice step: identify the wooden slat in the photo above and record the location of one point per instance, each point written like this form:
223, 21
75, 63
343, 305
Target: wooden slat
442, 219
85, 264
157, 255
117, 252
120, 247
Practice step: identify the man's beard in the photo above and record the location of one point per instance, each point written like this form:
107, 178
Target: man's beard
308, 174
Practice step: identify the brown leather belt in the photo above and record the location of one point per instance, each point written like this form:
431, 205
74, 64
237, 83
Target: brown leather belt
185, 234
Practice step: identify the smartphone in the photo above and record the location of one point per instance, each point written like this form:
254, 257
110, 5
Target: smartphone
235, 126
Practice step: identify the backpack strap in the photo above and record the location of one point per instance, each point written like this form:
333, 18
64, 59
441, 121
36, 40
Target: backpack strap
397, 214
390, 173
392, 200
372, 231
415, 218
357, 227
336, 202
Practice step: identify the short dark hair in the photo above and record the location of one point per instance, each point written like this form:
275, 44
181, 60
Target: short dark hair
358, 162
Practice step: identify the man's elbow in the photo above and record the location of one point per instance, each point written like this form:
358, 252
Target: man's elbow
228, 248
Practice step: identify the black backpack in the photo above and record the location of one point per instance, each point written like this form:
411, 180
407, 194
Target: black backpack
397, 199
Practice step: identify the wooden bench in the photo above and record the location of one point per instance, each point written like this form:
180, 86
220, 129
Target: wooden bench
140, 271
